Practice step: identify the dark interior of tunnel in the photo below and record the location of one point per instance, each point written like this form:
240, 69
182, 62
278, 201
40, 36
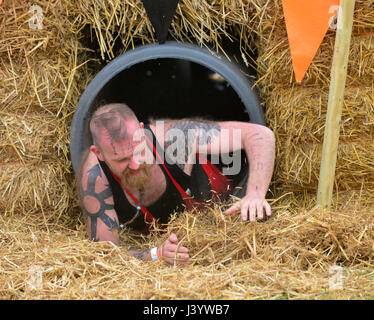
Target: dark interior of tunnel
173, 88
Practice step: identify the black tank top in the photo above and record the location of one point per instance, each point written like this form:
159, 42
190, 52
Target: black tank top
169, 202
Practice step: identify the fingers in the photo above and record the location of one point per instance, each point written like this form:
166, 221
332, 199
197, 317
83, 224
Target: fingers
233, 208
173, 238
244, 211
171, 257
260, 210
252, 212
174, 254
267, 209
173, 248
250, 209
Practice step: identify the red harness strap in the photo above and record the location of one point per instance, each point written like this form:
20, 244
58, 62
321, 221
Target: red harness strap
189, 202
148, 216
220, 185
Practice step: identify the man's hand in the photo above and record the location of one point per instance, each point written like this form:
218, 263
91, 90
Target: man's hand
253, 205
172, 253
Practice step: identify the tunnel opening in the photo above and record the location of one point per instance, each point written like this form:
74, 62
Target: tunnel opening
173, 81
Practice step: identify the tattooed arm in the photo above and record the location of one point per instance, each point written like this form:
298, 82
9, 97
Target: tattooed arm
188, 137
182, 139
98, 205
101, 218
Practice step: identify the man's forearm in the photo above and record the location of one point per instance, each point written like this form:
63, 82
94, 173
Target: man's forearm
260, 149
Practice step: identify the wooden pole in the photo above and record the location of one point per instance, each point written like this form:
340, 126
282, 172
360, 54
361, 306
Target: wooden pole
335, 103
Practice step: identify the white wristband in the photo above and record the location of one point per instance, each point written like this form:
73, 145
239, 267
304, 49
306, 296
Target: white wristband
154, 253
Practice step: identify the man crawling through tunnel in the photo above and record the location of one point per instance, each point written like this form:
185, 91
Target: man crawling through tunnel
134, 173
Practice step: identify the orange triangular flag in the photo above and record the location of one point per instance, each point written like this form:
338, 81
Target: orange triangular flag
307, 22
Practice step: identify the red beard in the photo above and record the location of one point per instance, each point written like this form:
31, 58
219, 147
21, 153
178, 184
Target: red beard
136, 178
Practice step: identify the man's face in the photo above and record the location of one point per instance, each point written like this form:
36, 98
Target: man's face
126, 158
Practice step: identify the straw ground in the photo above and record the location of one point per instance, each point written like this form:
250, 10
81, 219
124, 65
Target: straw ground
290, 256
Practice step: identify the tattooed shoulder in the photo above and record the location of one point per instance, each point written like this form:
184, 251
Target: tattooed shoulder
181, 137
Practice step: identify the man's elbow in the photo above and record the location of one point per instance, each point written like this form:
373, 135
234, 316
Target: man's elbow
269, 135
263, 134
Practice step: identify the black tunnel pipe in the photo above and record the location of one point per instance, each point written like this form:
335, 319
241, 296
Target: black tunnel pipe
230, 71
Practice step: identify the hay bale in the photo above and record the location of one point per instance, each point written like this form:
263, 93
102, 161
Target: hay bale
45, 83
298, 166
117, 23
43, 72
274, 61
33, 137
277, 70
41, 69
34, 164
42, 189
298, 113
361, 58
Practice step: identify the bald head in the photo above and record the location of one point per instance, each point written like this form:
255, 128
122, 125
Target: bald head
112, 121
